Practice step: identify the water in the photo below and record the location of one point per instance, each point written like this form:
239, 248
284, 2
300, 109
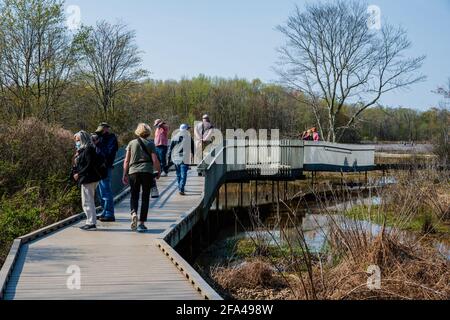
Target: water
315, 227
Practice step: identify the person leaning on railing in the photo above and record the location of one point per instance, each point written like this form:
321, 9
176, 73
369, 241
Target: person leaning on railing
140, 163
86, 172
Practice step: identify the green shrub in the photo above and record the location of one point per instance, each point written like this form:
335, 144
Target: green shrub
35, 190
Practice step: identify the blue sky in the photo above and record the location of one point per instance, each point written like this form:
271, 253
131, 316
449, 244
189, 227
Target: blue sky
228, 38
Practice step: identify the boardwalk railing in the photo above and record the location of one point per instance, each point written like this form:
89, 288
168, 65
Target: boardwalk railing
232, 161
247, 159
120, 192
275, 159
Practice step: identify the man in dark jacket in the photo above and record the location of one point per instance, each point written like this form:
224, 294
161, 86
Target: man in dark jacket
107, 146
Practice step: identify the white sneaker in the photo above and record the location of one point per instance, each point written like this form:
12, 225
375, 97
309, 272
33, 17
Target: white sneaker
154, 193
134, 221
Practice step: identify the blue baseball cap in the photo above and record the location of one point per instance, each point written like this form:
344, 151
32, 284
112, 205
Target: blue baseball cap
184, 127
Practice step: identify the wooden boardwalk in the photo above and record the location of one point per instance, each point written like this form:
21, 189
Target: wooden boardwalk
114, 262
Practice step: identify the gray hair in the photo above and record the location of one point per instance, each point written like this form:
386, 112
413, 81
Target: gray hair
85, 138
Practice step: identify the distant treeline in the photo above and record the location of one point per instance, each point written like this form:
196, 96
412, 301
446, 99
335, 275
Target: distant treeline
78, 78
235, 103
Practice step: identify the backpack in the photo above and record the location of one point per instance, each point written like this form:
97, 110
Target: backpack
101, 166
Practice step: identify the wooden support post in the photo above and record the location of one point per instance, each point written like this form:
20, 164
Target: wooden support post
278, 199
217, 201
286, 197
235, 225
242, 195
226, 197
273, 193
256, 193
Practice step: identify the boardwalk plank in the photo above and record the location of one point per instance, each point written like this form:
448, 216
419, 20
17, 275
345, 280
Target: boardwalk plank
115, 263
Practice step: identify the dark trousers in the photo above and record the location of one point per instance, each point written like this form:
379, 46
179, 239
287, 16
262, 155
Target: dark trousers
161, 151
138, 182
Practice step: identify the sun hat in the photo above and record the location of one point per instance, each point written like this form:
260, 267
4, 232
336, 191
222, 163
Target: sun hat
158, 122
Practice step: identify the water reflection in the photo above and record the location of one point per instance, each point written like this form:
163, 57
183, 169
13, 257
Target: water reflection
316, 229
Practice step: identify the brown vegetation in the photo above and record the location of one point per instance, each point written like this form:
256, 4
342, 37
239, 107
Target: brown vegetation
410, 263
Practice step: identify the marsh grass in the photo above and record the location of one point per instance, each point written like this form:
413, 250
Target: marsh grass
411, 265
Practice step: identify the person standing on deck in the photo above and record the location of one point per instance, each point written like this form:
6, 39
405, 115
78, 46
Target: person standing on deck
85, 172
162, 144
140, 163
180, 154
203, 136
308, 136
315, 135
107, 146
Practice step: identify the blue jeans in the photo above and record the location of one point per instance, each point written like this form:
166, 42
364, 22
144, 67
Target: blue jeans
161, 151
106, 195
182, 171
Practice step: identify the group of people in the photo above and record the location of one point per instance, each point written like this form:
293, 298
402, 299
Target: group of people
92, 168
311, 135
145, 162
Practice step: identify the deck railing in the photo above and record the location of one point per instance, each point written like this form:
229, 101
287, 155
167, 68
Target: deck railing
257, 158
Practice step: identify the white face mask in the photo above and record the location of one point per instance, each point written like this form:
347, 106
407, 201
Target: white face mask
78, 145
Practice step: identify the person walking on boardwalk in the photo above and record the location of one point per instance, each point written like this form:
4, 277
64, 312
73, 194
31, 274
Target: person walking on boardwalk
162, 144
85, 172
107, 146
141, 161
180, 154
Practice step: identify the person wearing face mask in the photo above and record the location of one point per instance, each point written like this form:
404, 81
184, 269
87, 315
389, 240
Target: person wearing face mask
86, 173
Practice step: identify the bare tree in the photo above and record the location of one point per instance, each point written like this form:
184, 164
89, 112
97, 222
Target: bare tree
334, 59
444, 91
37, 56
111, 62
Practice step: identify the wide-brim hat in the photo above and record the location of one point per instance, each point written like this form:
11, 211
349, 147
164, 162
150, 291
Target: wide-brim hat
102, 126
158, 122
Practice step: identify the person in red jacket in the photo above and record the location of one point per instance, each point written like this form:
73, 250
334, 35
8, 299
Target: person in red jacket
162, 144
316, 135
